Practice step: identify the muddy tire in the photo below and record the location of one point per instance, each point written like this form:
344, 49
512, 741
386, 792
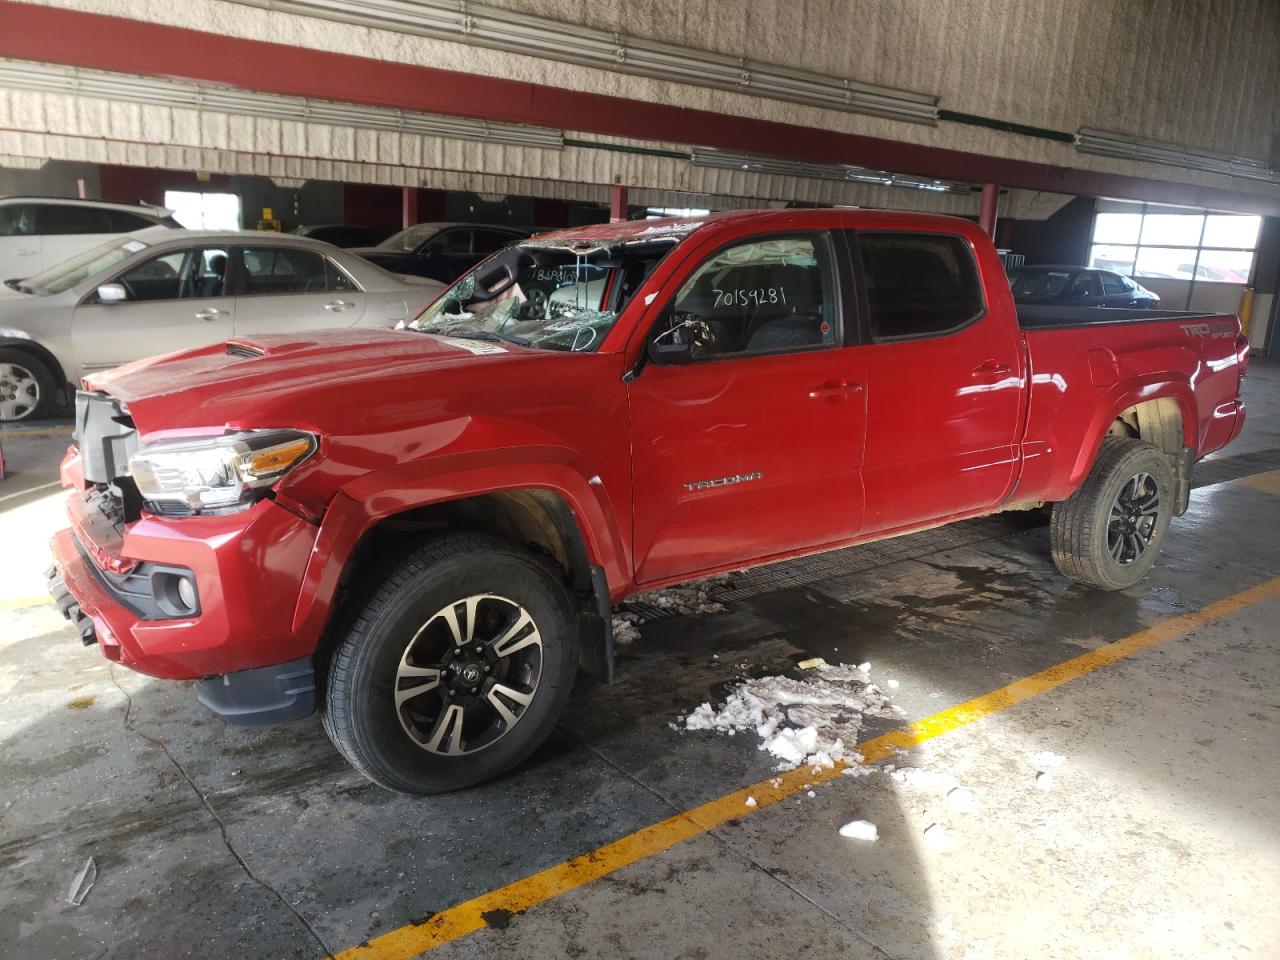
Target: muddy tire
455, 669
1108, 534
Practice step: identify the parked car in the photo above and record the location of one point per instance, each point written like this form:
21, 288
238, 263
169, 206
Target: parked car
343, 235
441, 251
432, 523
1078, 286
38, 232
161, 290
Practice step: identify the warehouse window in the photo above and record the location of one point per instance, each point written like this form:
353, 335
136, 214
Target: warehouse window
204, 211
1144, 240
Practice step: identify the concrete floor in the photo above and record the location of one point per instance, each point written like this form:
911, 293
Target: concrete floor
1159, 838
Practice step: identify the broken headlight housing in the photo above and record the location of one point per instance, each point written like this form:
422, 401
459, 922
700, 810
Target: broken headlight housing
218, 474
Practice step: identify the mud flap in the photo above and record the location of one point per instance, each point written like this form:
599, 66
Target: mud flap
1183, 463
595, 631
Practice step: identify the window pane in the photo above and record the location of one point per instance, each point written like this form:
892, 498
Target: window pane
159, 278
335, 279
762, 296
919, 284
58, 219
122, 222
1173, 264
1228, 231
276, 270
17, 220
457, 241
1112, 285
1117, 227
490, 241
1119, 259
1224, 266
1172, 229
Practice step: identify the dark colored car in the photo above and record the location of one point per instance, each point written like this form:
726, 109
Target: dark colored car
1078, 286
441, 251
343, 235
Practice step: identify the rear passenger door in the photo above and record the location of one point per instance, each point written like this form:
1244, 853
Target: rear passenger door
282, 289
944, 381
751, 449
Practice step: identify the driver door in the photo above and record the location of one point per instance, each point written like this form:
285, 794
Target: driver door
753, 447
174, 301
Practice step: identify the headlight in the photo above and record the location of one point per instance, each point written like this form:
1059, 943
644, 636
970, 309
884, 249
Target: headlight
217, 475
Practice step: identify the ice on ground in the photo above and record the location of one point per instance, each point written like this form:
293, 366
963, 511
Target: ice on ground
751, 801
893, 684
625, 628
1044, 780
811, 794
687, 598
859, 830
1047, 759
801, 722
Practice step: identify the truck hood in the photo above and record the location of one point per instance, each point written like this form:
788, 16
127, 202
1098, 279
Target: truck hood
287, 378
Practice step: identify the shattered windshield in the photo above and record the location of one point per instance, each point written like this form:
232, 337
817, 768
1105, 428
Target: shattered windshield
550, 297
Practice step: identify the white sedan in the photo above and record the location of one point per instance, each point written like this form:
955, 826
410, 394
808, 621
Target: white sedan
159, 290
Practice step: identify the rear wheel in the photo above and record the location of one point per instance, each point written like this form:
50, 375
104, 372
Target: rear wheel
26, 386
1109, 533
456, 669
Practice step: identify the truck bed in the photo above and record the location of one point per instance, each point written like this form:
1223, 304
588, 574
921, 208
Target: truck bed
1040, 317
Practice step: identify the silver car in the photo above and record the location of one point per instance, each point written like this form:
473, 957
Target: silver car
158, 290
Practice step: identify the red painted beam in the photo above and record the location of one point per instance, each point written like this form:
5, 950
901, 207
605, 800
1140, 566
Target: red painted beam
76, 38
408, 207
987, 212
617, 203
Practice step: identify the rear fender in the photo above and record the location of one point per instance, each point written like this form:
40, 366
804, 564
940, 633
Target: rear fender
1121, 397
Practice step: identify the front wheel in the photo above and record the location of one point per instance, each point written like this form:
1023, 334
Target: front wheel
26, 386
1108, 534
456, 669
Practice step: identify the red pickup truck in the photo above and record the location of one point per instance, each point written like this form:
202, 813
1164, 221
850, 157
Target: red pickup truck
422, 530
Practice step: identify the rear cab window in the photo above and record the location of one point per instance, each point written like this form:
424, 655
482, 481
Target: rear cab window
918, 284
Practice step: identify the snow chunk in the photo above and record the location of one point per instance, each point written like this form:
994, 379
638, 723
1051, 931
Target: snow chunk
960, 799
939, 837
1044, 780
625, 628
893, 684
801, 722
1046, 759
751, 801
859, 830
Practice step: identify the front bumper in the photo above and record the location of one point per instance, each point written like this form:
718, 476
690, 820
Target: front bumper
248, 569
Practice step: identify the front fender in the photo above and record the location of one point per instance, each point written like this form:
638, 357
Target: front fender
394, 489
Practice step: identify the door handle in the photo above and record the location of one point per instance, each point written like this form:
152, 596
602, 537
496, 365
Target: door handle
834, 390
207, 315
337, 306
991, 370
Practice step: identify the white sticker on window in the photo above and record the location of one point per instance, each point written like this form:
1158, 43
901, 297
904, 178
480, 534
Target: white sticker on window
473, 346
133, 246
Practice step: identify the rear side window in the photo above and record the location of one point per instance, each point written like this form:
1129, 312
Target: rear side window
918, 284
17, 220
277, 270
55, 219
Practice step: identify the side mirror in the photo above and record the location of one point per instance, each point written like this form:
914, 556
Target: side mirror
112, 293
669, 353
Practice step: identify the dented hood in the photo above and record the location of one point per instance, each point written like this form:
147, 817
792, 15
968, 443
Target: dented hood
294, 378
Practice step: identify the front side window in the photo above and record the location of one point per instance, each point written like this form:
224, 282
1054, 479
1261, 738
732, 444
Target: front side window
918, 284
1086, 285
765, 295
177, 275
1113, 285
455, 241
553, 298
490, 241
282, 270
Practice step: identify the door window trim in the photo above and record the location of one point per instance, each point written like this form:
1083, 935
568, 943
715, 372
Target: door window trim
864, 300
825, 235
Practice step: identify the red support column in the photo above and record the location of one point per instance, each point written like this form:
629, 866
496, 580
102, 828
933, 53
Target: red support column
408, 206
617, 203
990, 206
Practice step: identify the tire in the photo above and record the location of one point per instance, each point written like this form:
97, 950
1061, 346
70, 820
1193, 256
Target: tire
26, 386
448, 737
1109, 533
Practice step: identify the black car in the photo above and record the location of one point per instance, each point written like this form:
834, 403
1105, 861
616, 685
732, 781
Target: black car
441, 251
1078, 286
343, 235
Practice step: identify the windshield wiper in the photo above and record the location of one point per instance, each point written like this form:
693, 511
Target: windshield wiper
470, 333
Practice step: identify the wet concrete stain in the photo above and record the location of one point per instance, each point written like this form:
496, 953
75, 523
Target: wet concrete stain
81, 703
498, 918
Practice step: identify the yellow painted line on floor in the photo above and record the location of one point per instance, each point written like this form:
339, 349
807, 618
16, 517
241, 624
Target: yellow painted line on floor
1268, 482
21, 603
455, 922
